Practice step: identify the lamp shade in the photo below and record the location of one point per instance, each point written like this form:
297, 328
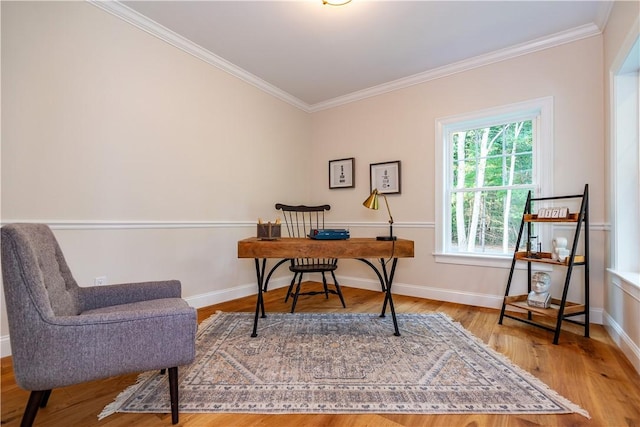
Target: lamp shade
372, 203
372, 200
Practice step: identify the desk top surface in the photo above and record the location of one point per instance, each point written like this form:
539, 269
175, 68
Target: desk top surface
354, 247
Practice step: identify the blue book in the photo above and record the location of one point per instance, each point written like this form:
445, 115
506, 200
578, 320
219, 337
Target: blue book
329, 234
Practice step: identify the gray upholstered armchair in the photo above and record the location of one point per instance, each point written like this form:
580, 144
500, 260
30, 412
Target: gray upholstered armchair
62, 334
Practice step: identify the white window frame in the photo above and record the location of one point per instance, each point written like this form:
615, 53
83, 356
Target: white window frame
624, 78
539, 110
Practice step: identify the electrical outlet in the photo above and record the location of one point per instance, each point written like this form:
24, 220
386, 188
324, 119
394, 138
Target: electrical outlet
100, 281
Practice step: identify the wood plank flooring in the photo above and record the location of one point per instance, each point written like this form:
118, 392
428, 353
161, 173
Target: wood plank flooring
591, 372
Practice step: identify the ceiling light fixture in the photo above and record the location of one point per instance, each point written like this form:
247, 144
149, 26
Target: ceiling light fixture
336, 2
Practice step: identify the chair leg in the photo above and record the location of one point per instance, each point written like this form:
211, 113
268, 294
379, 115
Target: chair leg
293, 281
338, 290
324, 284
173, 392
36, 400
295, 296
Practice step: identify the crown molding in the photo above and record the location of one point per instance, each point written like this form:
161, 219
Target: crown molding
151, 27
554, 40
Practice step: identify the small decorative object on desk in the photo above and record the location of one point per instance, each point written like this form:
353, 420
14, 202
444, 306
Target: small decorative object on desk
269, 230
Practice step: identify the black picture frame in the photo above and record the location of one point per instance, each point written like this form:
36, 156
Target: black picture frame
385, 177
342, 173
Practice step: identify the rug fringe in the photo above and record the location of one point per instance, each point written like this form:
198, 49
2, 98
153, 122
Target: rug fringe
113, 407
522, 372
206, 322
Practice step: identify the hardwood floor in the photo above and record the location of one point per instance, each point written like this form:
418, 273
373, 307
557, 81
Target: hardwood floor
590, 372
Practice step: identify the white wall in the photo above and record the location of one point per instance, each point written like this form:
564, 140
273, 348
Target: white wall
621, 297
400, 125
148, 162
151, 164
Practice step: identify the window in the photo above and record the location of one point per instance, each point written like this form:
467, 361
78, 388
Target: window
488, 162
625, 167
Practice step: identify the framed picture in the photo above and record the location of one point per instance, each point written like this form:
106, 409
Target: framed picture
385, 177
341, 173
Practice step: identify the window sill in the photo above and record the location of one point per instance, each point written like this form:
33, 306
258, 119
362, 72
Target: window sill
629, 277
492, 261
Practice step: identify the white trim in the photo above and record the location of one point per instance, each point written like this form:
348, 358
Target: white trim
554, 40
5, 346
627, 282
603, 13
623, 53
139, 225
490, 261
142, 22
406, 289
196, 301
472, 299
149, 26
130, 225
230, 294
623, 341
541, 108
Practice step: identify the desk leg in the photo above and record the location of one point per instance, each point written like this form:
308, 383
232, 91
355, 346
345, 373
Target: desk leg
273, 269
388, 279
260, 300
373, 267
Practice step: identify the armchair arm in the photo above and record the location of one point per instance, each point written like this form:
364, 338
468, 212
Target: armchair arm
93, 297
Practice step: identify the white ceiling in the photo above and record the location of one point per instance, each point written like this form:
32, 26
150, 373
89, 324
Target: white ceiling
316, 56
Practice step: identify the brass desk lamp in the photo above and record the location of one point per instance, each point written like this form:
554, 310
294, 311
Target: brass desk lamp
372, 203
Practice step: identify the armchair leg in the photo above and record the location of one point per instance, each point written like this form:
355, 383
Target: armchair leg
45, 398
173, 392
37, 399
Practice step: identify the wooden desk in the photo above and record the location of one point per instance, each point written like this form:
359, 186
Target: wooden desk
353, 248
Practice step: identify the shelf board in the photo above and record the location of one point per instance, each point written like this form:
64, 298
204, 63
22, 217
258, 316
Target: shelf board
545, 257
573, 217
520, 301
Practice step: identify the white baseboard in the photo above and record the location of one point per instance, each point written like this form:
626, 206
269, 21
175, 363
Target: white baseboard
5, 346
467, 298
196, 301
448, 295
623, 341
439, 294
216, 297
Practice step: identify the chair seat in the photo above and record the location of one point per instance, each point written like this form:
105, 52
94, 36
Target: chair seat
312, 268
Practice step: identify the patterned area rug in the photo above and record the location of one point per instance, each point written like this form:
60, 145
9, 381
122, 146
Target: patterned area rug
343, 363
